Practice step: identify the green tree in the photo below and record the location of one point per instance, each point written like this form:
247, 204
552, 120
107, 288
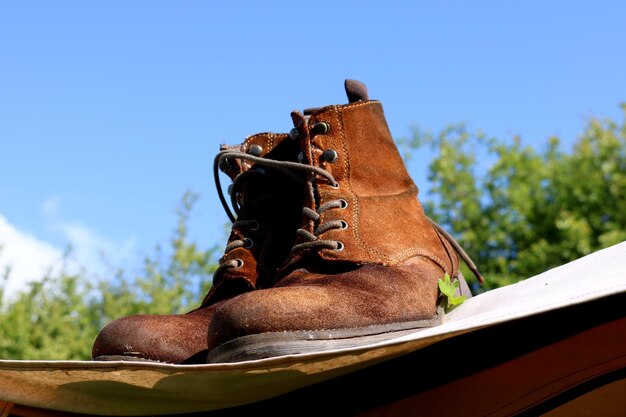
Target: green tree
519, 211
171, 282
59, 317
516, 210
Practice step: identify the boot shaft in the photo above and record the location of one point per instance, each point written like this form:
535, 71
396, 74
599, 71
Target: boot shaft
375, 215
266, 201
367, 260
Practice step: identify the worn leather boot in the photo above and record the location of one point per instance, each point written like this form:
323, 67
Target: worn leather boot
367, 261
267, 201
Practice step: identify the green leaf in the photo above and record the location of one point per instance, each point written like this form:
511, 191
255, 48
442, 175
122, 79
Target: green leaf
448, 288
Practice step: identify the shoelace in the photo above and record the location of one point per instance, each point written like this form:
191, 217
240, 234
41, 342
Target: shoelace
251, 224
312, 239
459, 250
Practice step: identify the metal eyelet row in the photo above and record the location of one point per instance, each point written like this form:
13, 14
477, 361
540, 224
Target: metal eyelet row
322, 128
344, 225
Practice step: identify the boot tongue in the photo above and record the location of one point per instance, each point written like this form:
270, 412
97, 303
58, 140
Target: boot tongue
356, 91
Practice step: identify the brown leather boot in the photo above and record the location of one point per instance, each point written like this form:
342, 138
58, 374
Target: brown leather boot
367, 260
267, 200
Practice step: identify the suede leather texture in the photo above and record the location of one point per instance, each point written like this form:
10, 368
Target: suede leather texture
277, 222
275, 203
386, 223
177, 338
370, 295
391, 259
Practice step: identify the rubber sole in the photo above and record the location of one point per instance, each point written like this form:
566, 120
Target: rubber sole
267, 345
127, 358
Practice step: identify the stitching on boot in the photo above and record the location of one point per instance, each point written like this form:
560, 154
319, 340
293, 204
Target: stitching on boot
271, 139
417, 251
346, 106
358, 104
356, 230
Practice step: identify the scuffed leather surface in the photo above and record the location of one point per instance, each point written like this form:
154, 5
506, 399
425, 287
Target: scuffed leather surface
182, 338
392, 256
371, 294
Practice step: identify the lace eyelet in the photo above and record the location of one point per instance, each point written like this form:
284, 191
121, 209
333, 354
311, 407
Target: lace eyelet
320, 128
330, 155
255, 150
225, 165
239, 263
255, 225
334, 186
340, 246
344, 204
344, 225
248, 243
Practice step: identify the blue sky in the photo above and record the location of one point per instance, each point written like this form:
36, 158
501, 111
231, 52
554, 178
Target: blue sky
111, 110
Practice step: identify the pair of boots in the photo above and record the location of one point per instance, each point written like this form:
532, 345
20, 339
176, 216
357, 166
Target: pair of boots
329, 248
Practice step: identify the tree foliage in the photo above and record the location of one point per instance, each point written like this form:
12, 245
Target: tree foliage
515, 209
59, 317
519, 211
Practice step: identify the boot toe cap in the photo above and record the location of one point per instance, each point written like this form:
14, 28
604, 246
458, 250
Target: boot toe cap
161, 338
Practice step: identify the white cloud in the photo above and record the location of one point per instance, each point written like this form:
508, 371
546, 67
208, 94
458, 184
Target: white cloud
28, 257
92, 250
